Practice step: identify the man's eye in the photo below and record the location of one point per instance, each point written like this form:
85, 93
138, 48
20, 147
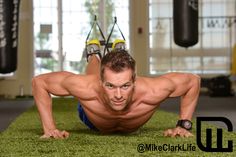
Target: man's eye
125, 86
109, 86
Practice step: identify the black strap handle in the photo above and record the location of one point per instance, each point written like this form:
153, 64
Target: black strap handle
95, 23
109, 44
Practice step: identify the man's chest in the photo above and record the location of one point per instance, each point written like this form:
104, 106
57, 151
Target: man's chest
107, 121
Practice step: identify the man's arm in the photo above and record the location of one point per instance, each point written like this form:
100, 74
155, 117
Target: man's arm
186, 86
56, 83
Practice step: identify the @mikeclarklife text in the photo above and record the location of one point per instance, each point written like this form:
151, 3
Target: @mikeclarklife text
144, 147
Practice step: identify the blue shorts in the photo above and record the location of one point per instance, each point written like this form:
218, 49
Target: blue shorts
83, 117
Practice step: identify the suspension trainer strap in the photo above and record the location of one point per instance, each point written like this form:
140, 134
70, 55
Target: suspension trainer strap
120, 31
95, 18
112, 29
101, 33
106, 46
95, 23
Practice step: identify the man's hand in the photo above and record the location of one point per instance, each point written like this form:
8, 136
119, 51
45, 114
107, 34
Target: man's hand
57, 134
178, 131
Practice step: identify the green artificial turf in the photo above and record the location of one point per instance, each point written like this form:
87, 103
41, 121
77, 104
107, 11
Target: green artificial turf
22, 137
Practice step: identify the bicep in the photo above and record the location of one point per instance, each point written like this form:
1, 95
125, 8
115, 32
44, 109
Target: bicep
80, 86
53, 82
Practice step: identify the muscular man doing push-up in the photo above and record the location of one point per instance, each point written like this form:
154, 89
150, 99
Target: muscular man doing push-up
113, 99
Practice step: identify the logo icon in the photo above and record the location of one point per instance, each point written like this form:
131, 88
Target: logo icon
208, 147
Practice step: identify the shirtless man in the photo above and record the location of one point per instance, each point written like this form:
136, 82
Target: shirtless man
111, 97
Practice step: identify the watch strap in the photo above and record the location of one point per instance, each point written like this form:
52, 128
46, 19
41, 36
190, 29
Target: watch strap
184, 124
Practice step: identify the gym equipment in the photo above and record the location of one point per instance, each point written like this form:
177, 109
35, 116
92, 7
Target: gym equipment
118, 43
185, 16
93, 46
219, 86
95, 23
9, 15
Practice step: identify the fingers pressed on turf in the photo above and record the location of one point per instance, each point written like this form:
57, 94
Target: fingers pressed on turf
168, 132
59, 134
56, 134
177, 132
65, 134
45, 136
189, 134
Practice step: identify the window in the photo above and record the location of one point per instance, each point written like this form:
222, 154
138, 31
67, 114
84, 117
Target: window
61, 28
211, 55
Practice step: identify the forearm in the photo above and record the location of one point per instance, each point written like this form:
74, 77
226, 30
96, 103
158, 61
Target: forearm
189, 100
187, 108
44, 105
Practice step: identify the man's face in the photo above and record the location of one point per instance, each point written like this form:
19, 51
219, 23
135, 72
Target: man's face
118, 88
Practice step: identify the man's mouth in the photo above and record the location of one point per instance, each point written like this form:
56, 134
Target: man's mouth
118, 102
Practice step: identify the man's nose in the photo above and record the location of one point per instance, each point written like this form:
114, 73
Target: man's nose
118, 93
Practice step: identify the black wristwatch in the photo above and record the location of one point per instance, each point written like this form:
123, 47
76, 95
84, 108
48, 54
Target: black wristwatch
186, 124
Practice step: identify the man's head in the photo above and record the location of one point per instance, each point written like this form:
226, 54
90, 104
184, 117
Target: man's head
118, 78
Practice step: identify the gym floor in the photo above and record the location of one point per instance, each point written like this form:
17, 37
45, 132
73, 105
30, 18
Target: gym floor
11, 109
207, 106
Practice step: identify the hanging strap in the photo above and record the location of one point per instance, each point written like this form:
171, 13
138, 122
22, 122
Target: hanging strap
95, 23
107, 45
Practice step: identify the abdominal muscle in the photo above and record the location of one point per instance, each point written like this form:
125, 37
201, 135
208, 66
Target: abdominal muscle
107, 121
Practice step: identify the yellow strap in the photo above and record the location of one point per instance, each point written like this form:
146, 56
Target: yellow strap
117, 41
94, 41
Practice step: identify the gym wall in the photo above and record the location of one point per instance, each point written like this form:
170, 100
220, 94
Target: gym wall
139, 34
10, 87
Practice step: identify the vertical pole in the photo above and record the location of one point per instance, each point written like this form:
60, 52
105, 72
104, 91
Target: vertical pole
102, 16
230, 55
171, 45
60, 35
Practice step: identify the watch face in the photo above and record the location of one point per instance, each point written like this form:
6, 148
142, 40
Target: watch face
187, 124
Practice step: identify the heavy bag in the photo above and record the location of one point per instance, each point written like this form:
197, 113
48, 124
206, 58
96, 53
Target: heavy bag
9, 14
185, 15
220, 86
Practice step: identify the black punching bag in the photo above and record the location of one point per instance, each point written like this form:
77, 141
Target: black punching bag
9, 14
185, 15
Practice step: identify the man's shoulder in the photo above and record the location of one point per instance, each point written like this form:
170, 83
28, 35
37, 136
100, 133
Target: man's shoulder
142, 85
82, 81
84, 77
149, 80
160, 78
152, 83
